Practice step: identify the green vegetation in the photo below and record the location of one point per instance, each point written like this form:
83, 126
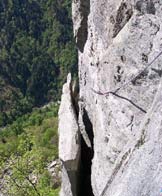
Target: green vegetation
36, 53
27, 146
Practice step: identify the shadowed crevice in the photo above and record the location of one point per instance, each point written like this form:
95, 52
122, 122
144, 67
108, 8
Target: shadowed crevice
82, 32
86, 159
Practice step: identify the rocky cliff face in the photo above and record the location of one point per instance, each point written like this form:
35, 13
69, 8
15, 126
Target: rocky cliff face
120, 133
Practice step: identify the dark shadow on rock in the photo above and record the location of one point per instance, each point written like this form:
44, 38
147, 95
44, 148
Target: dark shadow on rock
87, 153
82, 33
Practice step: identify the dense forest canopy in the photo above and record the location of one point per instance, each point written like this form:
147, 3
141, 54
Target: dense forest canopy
36, 53
27, 147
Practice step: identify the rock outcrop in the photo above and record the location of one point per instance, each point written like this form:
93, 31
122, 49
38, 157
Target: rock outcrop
69, 141
120, 44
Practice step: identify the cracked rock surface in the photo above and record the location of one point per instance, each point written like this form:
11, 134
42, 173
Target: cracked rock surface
122, 38
69, 141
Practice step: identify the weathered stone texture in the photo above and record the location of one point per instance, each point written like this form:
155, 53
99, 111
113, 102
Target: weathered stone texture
118, 46
69, 141
123, 36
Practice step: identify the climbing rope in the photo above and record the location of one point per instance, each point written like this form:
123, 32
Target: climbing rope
139, 73
115, 93
128, 82
132, 79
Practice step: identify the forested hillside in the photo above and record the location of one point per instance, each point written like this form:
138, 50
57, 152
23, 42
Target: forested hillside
28, 153
36, 53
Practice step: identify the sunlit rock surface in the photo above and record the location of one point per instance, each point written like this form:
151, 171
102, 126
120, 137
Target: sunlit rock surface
122, 38
69, 141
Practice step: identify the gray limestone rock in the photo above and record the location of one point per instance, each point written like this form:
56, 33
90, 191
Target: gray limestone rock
69, 141
80, 14
120, 46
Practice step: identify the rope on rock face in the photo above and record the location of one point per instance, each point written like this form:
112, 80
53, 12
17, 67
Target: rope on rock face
121, 97
126, 83
115, 94
139, 73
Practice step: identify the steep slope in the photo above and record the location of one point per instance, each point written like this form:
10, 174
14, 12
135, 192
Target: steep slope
36, 53
28, 154
119, 43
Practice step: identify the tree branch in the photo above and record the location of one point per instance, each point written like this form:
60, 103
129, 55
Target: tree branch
27, 178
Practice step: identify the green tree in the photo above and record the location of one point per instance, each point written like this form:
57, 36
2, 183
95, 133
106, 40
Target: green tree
36, 52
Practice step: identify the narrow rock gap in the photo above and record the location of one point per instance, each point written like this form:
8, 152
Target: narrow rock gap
75, 95
124, 14
82, 33
87, 153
